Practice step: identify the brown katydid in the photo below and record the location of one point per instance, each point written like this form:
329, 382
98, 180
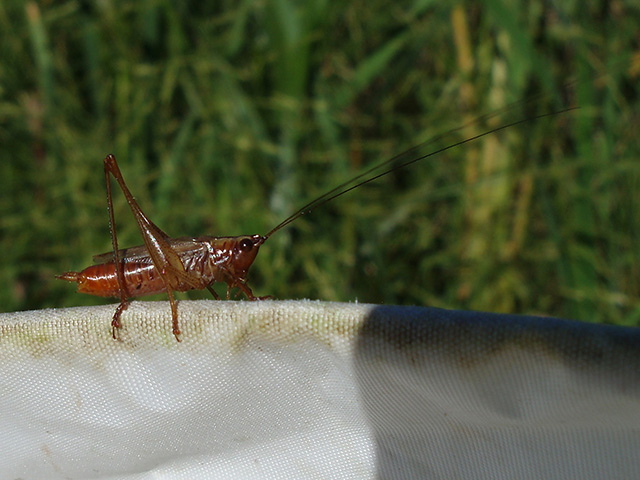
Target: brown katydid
165, 264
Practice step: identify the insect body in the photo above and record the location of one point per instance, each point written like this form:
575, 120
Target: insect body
165, 264
206, 260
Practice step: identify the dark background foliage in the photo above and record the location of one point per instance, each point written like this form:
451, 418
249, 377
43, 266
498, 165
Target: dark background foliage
228, 116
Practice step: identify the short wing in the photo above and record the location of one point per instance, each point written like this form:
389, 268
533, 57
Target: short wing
183, 246
138, 253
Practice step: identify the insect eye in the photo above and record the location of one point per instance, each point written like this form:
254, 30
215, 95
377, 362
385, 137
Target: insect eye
246, 245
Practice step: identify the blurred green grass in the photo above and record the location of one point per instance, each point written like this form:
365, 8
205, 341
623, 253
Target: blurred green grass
227, 118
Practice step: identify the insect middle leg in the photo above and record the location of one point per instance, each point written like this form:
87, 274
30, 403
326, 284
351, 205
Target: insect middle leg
174, 315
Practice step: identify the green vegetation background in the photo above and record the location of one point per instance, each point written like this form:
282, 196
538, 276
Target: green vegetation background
228, 116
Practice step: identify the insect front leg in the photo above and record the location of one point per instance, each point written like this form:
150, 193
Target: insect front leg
234, 282
213, 292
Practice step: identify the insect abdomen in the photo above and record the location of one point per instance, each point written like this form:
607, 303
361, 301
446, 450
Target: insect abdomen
101, 280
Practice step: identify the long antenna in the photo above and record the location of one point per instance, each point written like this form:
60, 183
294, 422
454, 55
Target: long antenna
398, 162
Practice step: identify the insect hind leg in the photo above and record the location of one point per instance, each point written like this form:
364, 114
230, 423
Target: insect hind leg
115, 323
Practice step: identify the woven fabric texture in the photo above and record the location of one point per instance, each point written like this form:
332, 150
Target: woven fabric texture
306, 390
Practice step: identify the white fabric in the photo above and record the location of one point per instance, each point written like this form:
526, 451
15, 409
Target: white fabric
307, 390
